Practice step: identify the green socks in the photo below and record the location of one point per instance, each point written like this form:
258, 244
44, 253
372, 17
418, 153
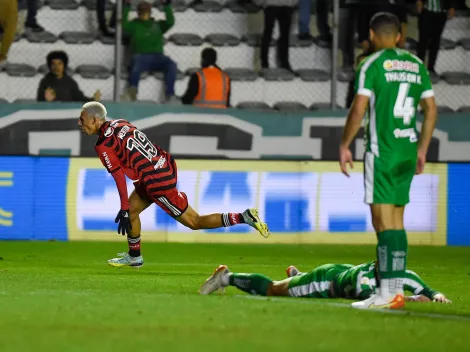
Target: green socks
254, 284
392, 250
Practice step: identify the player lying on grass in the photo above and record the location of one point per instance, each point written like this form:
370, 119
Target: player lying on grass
126, 151
326, 281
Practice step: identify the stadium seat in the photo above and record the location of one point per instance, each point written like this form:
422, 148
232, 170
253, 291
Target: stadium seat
346, 75
296, 42
241, 74
222, 39
24, 101
93, 71
207, 6
20, 70
91, 5
191, 70
63, 4
3, 101
237, 7
43, 69
456, 78
40, 37
322, 106
254, 105
177, 5
447, 44
442, 109
465, 43
161, 75
77, 37
254, 39
464, 109
313, 75
277, 74
186, 39
290, 106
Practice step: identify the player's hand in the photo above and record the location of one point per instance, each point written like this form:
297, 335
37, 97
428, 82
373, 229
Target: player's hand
49, 94
420, 162
419, 6
97, 95
124, 227
440, 298
451, 13
345, 157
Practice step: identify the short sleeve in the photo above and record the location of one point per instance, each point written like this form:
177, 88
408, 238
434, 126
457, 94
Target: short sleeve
427, 91
365, 77
108, 158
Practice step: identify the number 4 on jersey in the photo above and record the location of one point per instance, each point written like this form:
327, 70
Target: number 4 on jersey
404, 106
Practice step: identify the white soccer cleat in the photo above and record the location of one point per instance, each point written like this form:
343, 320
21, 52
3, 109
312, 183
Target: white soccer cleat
251, 217
376, 301
215, 281
292, 271
126, 260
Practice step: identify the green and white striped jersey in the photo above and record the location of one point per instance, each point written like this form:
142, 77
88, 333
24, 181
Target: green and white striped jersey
395, 81
359, 282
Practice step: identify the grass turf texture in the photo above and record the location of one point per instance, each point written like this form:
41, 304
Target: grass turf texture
64, 297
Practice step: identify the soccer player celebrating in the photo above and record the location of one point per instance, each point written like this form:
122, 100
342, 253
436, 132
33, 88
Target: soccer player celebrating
390, 83
326, 281
126, 151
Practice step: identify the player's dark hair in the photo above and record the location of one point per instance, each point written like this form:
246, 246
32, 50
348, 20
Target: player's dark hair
57, 55
385, 23
208, 57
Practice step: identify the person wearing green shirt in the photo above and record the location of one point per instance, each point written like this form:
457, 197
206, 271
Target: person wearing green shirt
146, 40
390, 84
345, 281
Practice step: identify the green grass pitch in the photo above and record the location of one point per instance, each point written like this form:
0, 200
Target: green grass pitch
64, 297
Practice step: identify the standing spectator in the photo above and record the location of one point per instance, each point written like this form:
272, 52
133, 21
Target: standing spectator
57, 85
347, 31
280, 11
31, 22
210, 86
432, 20
146, 37
325, 37
305, 7
8, 19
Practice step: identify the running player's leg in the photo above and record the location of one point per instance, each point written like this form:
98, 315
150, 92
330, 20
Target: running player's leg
175, 203
138, 203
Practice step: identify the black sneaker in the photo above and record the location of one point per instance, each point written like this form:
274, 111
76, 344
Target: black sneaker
305, 36
35, 27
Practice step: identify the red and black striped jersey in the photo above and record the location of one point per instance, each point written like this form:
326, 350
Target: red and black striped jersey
121, 145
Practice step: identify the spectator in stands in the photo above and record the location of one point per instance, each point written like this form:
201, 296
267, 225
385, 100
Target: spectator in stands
8, 19
101, 17
210, 86
305, 7
322, 8
431, 23
280, 11
31, 22
57, 85
146, 36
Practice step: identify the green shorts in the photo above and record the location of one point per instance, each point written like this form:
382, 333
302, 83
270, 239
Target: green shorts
316, 283
387, 179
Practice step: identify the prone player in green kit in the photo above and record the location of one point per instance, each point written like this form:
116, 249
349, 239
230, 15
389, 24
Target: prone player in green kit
390, 84
326, 281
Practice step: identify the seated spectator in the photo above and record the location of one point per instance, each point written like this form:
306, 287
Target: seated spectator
57, 85
280, 11
210, 86
146, 38
432, 20
8, 19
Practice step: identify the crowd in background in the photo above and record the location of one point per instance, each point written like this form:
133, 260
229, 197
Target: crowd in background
144, 37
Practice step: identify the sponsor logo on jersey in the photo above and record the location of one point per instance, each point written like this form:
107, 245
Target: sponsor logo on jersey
406, 133
123, 132
107, 161
160, 163
399, 65
109, 131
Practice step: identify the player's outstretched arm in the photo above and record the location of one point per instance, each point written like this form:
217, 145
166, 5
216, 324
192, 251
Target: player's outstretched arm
422, 292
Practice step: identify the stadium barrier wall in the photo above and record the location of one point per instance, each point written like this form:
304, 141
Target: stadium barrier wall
60, 198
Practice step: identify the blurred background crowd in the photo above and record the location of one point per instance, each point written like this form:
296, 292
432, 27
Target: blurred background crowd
257, 54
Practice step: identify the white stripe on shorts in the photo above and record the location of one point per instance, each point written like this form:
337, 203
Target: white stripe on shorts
369, 178
314, 286
171, 207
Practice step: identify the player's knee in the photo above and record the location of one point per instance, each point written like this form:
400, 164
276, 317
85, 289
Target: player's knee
194, 222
